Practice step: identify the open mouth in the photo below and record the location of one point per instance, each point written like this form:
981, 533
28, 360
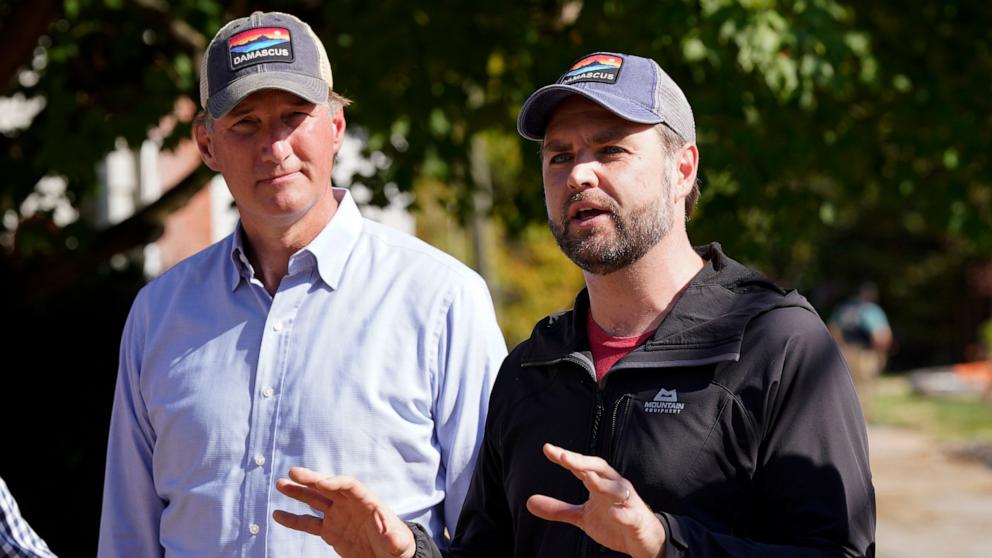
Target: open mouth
588, 213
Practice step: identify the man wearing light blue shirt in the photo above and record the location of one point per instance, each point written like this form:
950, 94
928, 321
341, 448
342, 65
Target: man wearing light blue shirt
310, 336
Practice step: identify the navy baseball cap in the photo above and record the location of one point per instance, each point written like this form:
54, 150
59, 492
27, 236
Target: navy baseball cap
631, 87
263, 51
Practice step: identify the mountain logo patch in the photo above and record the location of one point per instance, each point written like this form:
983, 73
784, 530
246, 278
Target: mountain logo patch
604, 68
260, 45
665, 402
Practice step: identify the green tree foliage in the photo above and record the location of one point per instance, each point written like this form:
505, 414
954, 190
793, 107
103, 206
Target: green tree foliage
840, 141
809, 111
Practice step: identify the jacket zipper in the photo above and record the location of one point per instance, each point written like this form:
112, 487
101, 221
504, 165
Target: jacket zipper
590, 546
615, 442
586, 546
597, 418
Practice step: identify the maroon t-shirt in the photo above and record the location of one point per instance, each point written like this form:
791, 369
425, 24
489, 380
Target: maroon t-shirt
606, 349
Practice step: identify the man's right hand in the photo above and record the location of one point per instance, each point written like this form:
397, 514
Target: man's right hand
355, 522
614, 515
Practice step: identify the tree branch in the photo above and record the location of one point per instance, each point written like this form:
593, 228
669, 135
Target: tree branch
191, 40
144, 227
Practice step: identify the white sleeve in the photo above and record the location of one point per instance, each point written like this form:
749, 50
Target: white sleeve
129, 523
471, 349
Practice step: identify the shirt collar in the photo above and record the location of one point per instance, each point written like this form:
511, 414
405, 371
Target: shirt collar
241, 267
331, 248
333, 245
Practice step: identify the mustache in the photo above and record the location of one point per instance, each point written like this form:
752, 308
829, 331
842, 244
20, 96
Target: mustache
599, 199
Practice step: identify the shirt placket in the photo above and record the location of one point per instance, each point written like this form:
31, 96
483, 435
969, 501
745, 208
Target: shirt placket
273, 363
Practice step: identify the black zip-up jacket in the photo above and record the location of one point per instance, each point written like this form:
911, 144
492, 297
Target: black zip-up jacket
737, 423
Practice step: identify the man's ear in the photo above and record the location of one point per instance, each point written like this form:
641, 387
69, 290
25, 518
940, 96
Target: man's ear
686, 167
339, 125
204, 142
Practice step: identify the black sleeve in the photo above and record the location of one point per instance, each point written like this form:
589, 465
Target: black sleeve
426, 548
813, 492
484, 527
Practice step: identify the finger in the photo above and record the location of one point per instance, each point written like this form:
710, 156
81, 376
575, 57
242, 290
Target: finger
347, 488
578, 463
594, 472
306, 476
599, 478
329, 486
304, 494
305, 523
551, 509
618, 491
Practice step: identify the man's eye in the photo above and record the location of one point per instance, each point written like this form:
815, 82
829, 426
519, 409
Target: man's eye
243, 126
612, 150
560, 158
295, 118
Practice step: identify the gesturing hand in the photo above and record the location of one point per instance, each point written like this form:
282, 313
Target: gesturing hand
355, 522
614, 515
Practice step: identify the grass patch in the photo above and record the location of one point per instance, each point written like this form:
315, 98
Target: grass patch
950, 419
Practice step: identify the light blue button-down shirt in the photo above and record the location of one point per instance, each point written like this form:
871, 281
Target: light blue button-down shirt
374, 359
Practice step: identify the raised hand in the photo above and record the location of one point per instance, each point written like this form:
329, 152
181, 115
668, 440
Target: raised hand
614, 515
354, 521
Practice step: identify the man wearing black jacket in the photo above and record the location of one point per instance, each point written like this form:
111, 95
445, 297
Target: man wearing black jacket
686, 406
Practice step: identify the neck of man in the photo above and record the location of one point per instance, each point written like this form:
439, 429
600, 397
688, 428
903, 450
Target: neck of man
634, 300
270, 245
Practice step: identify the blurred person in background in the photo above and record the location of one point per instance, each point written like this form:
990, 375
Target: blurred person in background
862, 331
308, 336
686, 405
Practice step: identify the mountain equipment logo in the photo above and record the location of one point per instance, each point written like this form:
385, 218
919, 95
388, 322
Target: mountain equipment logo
665, 395
666, 402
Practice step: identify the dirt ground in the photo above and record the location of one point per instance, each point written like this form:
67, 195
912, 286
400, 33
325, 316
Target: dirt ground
931, 502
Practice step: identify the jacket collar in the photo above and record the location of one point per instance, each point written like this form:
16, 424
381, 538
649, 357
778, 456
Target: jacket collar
705, 325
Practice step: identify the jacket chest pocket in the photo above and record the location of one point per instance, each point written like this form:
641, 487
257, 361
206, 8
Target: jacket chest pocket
677, 443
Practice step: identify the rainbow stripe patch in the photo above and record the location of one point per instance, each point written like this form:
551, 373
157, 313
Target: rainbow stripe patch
603, 68
262, 44
254, 39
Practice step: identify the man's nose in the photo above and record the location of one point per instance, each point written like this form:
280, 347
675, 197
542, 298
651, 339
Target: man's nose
583, 175
277, 147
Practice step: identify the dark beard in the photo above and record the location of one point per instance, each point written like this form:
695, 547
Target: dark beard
598, 251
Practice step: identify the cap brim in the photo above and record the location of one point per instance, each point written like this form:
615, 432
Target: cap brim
312, 89
538, 108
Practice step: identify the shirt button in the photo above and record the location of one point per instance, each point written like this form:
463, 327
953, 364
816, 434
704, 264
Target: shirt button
267, 392
277, 326
254, 528
259, 460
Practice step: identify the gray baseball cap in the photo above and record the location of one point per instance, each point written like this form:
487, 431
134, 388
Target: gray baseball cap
631, 87
269, 50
